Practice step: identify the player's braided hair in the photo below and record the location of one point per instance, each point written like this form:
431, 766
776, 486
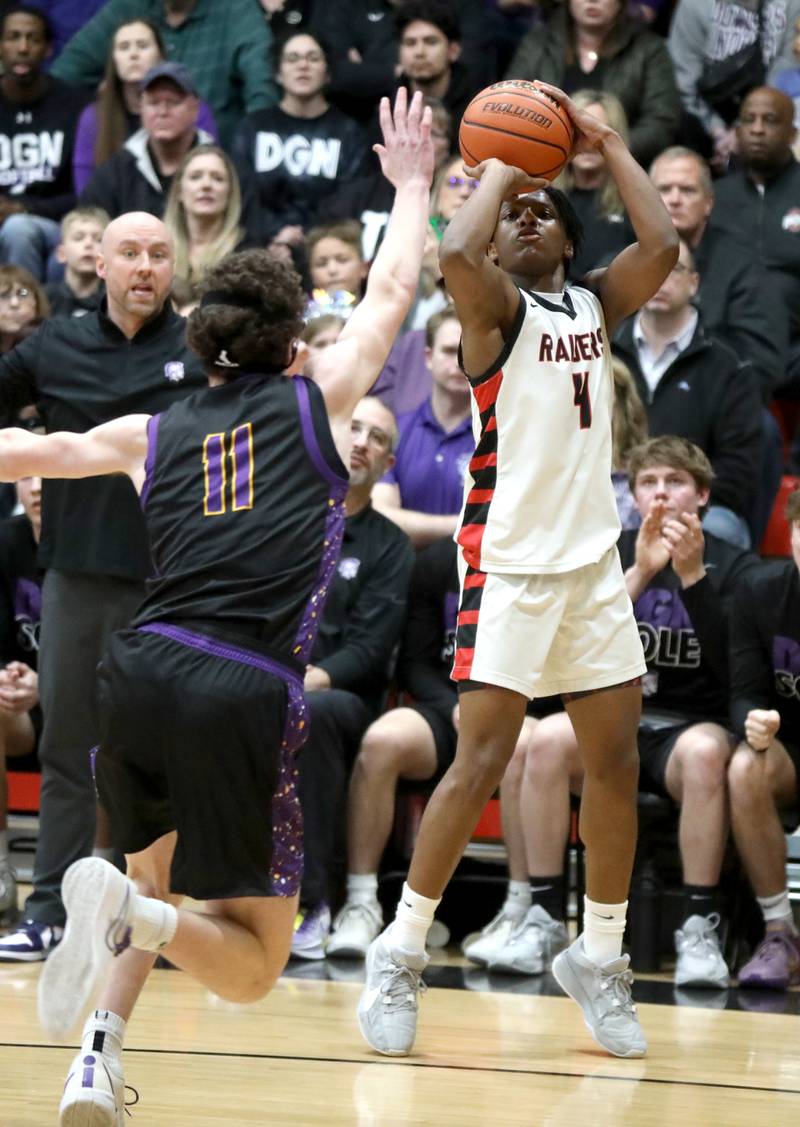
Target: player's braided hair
251, 310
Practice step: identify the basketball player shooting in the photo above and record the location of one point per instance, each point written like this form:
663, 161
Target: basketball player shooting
543, 606
202, 706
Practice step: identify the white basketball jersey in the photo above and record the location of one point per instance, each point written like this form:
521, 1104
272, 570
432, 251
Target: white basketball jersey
538, 495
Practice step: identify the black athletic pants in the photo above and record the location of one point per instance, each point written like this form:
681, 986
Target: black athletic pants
337, 721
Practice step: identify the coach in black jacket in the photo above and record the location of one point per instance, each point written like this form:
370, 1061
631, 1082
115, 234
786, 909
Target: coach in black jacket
695, 387
128, 357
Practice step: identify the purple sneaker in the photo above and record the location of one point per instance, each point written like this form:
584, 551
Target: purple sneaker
775, 964
31, 943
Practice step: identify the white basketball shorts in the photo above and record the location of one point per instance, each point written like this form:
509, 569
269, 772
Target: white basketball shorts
540, 635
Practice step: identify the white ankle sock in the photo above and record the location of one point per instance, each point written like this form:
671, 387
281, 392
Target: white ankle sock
603, 927
362, 888
414, 917
777, 909
518, 898
103, 1033
154, 923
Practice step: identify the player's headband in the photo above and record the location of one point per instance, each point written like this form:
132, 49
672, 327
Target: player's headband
237, 300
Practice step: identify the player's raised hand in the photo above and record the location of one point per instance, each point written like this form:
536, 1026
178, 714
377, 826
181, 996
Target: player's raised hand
590, 132
406, 154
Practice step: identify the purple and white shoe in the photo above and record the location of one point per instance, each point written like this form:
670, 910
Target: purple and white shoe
99, 901
775, 964
94, 1094
32, 942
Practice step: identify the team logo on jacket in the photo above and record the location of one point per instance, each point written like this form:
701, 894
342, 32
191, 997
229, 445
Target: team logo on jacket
791, 221
173, 370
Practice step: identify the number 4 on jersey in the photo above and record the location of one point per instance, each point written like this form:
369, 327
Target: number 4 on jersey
220, 451
580, 383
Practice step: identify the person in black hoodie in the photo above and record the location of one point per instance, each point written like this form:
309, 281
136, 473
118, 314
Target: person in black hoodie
38, 117
692, 385
300, 151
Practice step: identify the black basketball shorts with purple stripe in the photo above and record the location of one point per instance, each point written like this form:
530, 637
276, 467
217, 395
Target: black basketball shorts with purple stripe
199, 735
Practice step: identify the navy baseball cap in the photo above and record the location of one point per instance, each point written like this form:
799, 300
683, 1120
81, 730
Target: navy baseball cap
173, 72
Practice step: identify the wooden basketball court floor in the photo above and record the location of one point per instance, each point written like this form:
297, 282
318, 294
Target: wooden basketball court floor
484, 1057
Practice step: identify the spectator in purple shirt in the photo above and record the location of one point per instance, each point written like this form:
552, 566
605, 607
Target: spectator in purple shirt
423, 492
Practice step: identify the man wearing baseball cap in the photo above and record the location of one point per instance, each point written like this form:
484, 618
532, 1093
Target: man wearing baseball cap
138, 177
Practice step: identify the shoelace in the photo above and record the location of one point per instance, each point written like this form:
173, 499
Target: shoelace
133, 1102
616, 989
705, 937
401, 988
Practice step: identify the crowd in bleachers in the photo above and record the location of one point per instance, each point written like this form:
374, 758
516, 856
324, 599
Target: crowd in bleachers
250, 123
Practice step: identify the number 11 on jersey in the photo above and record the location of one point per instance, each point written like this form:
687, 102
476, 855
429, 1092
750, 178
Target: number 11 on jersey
221, 451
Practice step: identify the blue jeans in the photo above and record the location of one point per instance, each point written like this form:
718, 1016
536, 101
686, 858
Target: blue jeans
725, 524
29, 241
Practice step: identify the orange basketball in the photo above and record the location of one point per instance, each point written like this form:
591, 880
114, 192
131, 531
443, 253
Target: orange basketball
519, 124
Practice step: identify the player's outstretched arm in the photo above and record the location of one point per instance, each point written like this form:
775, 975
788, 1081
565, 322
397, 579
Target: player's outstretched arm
347, 370
638, 271
116, 447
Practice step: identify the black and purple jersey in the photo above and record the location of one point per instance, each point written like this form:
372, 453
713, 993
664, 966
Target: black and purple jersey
244, 506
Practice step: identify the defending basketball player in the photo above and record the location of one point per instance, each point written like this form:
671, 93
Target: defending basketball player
543, 603
202, 703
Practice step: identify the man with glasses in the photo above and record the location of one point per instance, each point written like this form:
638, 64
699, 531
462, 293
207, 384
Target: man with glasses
348, 673
696, 387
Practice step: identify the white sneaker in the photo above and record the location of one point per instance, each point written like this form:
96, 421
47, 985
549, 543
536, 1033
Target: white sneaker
481, 946
533, 944
94, 1094
603, 991
388, 1007
700, 960
98, 900
354, 928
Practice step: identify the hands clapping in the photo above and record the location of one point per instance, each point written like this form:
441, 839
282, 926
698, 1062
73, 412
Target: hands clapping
676, 539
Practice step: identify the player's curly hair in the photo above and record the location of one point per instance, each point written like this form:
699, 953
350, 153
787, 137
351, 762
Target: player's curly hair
257, 334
